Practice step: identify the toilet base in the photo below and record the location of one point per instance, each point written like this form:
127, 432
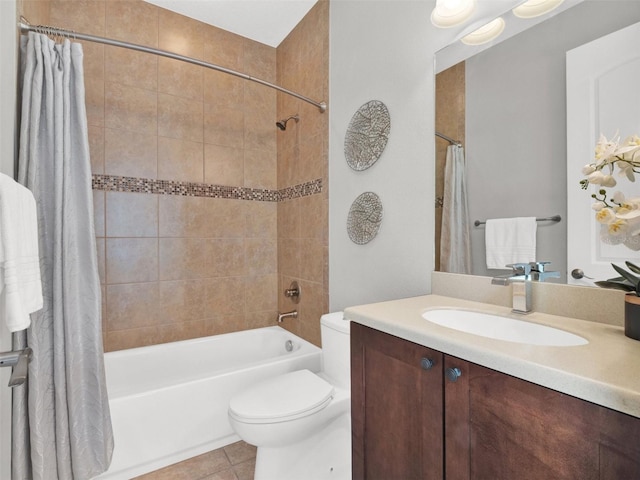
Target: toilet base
324, 456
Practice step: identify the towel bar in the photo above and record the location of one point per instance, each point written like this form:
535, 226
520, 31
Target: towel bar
555, 218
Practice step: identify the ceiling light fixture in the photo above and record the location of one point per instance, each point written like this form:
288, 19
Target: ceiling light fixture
535, 8
449, 13
485, 33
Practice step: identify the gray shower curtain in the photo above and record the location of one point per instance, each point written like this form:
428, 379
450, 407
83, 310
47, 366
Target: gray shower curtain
61, 421
455, 238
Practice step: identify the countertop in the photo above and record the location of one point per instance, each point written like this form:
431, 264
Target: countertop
606, 371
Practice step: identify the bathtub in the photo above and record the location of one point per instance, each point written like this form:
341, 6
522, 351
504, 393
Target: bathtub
169, 402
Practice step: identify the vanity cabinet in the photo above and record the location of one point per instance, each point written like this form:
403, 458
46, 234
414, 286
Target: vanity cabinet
447, 418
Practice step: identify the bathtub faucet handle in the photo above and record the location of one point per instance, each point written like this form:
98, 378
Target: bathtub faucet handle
293, 292
282, 316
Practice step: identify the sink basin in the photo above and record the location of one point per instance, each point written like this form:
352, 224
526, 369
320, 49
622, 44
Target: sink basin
502, 328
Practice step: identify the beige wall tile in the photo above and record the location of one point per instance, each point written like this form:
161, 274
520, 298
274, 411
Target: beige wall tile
314, 218
180, 79
181, 301
289, 215
223, 90
131, 108
219, 325
132, 305
132, 21
100, 248
36, 11
261, 256
260, 169
258, 97
223, 165
132, 215
132, 260
224, 296
130, 153
260, 60
223, 48
176, 332
223, 126
181, 35
99, 213
96, 148
131, 338
266, 318
180, 160
78, 15
263, 290
179, 118
201, 217
289, 257
188, 258
129, 67
260, 131
311, 260
261, 220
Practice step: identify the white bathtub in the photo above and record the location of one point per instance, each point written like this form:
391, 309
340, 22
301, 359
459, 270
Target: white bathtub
169, 402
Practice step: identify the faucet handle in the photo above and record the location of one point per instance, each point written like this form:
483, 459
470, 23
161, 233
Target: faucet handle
539, 266
520, 268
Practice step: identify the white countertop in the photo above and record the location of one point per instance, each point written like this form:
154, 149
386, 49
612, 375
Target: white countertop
606, 371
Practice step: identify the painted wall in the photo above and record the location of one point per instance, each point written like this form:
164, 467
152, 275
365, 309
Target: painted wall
516, 125
383, 51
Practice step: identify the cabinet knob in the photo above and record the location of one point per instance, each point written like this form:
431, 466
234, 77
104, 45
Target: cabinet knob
427, 363
453, 374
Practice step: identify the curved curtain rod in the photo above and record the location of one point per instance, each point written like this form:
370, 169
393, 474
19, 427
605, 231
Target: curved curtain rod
55, 31
448, 139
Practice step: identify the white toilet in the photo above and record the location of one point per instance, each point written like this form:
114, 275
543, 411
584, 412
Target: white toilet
301, 421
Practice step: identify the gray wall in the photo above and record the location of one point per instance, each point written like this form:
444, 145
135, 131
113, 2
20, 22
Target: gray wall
516, 124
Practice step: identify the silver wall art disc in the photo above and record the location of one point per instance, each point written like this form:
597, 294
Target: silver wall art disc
365, 216
367, 135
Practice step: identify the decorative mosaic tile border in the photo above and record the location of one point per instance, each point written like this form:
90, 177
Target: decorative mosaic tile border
113, 183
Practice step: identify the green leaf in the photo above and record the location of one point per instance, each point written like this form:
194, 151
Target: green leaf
617, 286
634, 268
630, 277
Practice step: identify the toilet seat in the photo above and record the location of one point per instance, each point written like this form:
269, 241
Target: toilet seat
283, 398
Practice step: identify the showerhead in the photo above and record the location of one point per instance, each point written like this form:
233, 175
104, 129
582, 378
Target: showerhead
282, 124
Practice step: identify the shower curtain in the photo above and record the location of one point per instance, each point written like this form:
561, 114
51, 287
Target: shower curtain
455, 242
61, 421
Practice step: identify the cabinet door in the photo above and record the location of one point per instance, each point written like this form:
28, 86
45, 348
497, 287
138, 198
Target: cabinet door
396, 408
516, 429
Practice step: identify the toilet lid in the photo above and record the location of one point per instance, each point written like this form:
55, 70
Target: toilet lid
285, 397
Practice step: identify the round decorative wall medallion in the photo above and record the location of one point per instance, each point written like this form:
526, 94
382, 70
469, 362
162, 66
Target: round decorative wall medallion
367, 135
365, 216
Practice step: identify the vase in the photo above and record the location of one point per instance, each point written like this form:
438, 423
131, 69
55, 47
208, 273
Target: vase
632, 316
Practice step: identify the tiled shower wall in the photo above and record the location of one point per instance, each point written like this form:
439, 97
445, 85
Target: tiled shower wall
303, 66
174, 265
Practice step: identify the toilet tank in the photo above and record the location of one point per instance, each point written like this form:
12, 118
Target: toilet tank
336, 361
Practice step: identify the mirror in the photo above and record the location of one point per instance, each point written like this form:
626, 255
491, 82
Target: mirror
506, 105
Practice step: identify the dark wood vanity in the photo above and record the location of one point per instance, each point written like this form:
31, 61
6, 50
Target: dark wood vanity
418, 413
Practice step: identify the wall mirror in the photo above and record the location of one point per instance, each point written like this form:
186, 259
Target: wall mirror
506, 104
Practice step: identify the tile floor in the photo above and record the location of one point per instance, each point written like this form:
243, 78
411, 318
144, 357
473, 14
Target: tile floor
233, 462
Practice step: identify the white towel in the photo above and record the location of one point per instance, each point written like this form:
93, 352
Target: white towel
20, 283
510, 240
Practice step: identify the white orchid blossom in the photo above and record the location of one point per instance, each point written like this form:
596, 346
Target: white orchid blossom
618, 215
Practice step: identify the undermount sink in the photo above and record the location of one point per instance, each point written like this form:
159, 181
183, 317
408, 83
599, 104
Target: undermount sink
502, 328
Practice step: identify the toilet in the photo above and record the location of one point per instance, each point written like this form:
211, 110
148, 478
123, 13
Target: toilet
301, 421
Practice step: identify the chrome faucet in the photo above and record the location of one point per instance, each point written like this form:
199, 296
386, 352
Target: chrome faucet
520, 280
292, 314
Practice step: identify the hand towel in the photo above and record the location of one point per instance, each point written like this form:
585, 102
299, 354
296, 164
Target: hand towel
20, 282
510, 240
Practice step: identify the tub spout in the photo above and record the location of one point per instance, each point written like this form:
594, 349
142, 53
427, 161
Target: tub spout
282, 316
